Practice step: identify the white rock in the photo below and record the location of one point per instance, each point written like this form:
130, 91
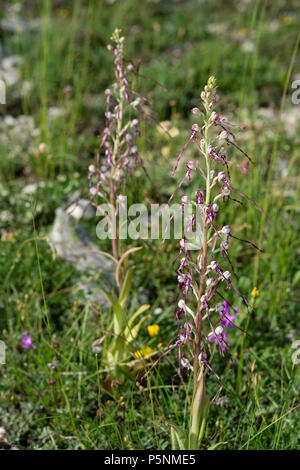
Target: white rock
2, 433
76, 247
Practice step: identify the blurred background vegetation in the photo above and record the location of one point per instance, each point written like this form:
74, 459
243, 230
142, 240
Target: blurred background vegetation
54, 59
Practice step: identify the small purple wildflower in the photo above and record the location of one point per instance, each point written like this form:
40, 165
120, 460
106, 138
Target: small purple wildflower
220, 338
224, 311
27, 341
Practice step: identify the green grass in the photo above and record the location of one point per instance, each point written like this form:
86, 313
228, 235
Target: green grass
178, 44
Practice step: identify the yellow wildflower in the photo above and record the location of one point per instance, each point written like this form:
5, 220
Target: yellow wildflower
287, 20
144, 353
63, 13
153, 330
255, 292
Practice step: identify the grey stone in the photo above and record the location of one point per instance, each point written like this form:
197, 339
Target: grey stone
72, 242
81, 208
9, 69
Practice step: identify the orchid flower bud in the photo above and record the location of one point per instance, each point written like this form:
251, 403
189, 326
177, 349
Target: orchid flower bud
93, 191
215, 208
182, 243
223, 135
221, 175
134, 149
226, 229
185, 363
227, 275
136, 102
219, 330
196, 111
213, 265
134, 123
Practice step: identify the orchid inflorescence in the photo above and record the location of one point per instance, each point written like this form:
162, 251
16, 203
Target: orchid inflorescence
201, 272
117, 158
121, 124
213, 240
118, 153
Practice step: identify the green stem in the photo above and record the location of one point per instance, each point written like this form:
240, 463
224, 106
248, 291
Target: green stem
199, 393
197, 429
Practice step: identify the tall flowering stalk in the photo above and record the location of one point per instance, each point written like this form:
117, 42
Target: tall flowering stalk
117, 157
118, 154
205, 271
